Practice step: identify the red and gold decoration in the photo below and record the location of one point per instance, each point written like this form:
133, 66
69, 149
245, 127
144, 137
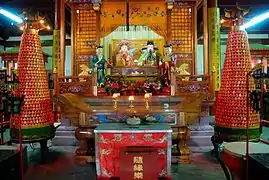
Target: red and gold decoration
233, 110
35, 118
110, 143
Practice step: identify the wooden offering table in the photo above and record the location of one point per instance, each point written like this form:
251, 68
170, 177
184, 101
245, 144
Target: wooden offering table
113, 160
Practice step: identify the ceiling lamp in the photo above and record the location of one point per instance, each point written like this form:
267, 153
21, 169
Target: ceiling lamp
256, 20
11, 16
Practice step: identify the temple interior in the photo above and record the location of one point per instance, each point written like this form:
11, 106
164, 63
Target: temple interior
134, 89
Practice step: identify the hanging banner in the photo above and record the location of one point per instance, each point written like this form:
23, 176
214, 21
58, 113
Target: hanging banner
214, 44
56, 51
150, 13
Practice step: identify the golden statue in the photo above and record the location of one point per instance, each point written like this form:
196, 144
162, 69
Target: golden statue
183, 70
85, 70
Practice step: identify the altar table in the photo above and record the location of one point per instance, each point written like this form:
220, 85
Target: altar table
111, 139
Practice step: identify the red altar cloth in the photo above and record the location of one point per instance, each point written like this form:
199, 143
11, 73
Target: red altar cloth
110, 144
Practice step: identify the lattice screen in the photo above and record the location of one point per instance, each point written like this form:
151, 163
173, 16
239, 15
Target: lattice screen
85, 35
182, 33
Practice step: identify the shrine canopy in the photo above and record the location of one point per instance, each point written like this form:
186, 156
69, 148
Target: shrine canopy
12, 54
149, 13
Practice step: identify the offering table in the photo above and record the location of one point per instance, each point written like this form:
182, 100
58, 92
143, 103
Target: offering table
112, 138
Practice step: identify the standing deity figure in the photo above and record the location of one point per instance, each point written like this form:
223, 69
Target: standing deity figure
167, 63
97, 64
148, 55
125, 56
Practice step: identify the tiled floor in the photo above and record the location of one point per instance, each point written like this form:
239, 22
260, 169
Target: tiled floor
203, 167
62, 167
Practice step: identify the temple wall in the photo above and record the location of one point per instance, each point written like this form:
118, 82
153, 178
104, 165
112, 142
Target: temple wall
68, 69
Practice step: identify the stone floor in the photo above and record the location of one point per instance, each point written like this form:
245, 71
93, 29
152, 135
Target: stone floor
62, 167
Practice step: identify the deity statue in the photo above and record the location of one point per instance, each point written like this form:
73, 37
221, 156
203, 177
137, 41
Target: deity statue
97, 64
125, 56
167, 63
148, 55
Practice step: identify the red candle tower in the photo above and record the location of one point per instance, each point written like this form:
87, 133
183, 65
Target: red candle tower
231, 106
36, 117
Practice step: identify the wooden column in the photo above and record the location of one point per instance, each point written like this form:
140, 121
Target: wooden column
73, 38
62, 38
205, 38
194, 42
214, 40
57, 14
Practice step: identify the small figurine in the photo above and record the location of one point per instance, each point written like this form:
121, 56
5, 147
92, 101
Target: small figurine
125, 56
183, 70
148, 55
97, 64
85, 71
167, 63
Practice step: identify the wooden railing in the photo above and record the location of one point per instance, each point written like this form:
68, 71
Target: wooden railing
184, 84
80, 85
85, 86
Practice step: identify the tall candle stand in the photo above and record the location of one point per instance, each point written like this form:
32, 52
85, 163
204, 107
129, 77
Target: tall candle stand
131, 100
115, 99
147, 101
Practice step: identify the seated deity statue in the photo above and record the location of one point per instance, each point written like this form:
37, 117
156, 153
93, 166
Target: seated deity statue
125, 56
149, 55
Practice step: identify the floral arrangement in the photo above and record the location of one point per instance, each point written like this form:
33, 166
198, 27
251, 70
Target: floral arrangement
133, 87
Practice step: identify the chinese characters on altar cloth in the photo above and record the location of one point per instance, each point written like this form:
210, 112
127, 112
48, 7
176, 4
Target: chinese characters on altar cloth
138, 167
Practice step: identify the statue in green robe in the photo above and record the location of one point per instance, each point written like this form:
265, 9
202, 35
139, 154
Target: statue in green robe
97, 65
149, 55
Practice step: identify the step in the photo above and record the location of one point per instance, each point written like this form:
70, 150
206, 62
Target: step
65, 149
199, 141
65, 133
66, 128
201, 149
202, 133
64, 141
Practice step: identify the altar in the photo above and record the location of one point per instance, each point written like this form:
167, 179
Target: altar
113, 138
131, 48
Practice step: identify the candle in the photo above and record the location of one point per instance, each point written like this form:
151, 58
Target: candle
115, 95
95, 93
146, 96
172, 90
131, 98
